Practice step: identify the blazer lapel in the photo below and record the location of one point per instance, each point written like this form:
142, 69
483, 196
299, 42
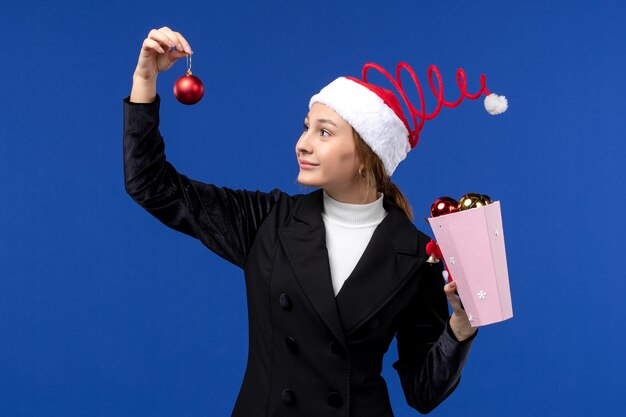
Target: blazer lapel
389, 259
305, 245
387, 263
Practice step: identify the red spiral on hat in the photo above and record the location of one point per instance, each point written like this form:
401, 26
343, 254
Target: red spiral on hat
439, 93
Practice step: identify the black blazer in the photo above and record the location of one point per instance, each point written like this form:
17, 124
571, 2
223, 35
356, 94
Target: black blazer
311, 353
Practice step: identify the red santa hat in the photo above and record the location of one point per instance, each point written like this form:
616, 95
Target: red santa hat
376, 114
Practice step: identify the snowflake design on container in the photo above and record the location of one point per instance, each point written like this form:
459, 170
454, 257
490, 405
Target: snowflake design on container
481, 294
470, 316
452, 260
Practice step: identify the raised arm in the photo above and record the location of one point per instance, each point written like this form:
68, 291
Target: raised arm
225, 220
430, 358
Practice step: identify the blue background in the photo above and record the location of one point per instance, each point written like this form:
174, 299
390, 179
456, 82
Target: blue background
106, 312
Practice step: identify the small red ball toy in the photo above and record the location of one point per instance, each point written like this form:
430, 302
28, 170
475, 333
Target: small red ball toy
188, 89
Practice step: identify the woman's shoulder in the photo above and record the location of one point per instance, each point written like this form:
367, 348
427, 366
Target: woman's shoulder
283, 203
279, 195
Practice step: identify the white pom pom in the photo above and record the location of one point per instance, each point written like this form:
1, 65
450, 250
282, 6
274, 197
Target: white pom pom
445, 275
496, 104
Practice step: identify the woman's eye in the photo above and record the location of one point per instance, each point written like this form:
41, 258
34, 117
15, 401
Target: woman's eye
305, 127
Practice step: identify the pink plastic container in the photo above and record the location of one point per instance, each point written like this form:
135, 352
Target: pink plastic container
472, 243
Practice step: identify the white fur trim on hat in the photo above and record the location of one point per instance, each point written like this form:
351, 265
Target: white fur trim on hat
367, 113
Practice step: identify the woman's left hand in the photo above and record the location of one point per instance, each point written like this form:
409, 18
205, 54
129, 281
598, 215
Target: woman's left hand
459, 322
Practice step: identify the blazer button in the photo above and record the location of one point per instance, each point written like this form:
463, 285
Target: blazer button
285, 301
289, 397
334, 399
336, 348
291, 344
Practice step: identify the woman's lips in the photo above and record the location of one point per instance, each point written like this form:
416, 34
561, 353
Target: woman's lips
306, 165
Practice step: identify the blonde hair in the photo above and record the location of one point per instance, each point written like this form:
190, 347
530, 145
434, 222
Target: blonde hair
375, 176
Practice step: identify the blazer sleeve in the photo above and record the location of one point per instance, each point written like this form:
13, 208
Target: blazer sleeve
225, 220
430, 358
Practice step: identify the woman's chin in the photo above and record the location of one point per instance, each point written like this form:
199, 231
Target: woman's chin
305, 180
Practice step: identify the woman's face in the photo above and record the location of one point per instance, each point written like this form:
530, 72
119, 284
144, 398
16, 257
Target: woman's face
328, 145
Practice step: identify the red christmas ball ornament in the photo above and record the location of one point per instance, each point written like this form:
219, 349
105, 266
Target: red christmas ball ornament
188, 89
443, 205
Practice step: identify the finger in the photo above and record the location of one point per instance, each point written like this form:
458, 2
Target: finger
454, 298
174, 55
152, 44
454, 288
163, 38
181, 42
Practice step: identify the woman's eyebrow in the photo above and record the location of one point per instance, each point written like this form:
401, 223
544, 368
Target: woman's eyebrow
330, 122
324, 121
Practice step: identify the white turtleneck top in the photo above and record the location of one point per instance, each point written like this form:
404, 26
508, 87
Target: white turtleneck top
349, 228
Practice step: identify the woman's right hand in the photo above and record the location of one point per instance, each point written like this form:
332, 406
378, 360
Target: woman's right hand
156, 56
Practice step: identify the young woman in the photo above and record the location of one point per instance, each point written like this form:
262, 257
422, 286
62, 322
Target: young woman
331, 276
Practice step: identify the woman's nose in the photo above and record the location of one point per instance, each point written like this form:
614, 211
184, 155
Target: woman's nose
303, 144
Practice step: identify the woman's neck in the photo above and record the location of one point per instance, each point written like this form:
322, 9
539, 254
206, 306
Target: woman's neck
354, 196
353, 215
